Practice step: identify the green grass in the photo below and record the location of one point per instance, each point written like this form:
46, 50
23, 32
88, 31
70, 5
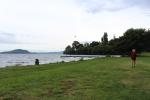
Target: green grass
98, 79
145, 54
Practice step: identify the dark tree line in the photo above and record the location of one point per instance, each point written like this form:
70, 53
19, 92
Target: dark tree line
138, 39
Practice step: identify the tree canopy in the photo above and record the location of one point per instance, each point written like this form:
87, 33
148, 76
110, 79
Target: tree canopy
138, 39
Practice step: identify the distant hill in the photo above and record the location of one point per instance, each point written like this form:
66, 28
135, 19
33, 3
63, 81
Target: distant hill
21, 51
17, 51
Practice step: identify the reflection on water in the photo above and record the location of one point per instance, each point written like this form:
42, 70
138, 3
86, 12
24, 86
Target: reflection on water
29, 59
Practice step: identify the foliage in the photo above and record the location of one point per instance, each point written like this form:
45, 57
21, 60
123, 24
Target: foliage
104, 39
138, 39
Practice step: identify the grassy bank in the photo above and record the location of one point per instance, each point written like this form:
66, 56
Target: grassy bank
98, 79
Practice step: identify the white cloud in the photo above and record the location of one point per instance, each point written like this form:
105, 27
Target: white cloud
7, 38
52, 24
94, 6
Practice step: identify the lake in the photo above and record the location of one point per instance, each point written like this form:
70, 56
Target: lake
29, 59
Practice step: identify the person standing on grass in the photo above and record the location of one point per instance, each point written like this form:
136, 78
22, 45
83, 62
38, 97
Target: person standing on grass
133, 57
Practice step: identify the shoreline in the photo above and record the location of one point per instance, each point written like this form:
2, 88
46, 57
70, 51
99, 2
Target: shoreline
21, 65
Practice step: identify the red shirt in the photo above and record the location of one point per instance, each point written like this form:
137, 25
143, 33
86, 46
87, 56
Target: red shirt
133, 55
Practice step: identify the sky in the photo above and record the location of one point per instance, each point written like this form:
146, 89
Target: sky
51, 25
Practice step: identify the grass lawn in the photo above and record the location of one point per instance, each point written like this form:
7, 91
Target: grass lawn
98, 79
145, 54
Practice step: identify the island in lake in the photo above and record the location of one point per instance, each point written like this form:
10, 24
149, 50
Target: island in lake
16, 51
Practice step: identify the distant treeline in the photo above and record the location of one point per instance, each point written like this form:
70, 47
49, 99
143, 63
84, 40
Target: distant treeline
138, 39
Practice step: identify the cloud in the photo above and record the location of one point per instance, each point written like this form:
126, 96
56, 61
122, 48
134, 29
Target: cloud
52, 24
94, 6
13, 38
7, 38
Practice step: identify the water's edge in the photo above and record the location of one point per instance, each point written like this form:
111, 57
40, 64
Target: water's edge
29, 59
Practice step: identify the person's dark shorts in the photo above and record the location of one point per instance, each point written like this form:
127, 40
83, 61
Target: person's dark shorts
133, 58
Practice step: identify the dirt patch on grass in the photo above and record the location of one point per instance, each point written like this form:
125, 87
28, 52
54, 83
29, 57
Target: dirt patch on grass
67, 87
128, 82
48, 93
137, 81
1, 98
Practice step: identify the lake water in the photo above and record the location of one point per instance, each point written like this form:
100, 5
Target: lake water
29, 59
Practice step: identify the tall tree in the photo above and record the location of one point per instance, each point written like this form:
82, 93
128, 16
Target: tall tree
104, 39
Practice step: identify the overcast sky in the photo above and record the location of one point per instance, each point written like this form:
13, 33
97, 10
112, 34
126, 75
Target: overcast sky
51, 25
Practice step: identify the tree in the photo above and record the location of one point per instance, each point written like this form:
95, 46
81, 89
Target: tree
138, 39
68, 50
76, 45
132, 38
104, 39
94, 43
